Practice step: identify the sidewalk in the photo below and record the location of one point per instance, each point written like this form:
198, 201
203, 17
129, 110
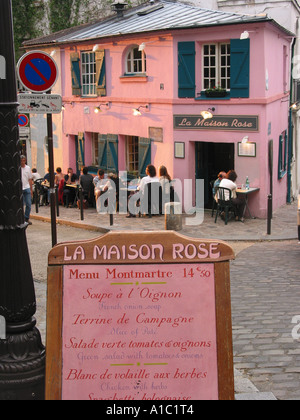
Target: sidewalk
284, 224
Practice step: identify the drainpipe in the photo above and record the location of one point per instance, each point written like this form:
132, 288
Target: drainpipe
290, 136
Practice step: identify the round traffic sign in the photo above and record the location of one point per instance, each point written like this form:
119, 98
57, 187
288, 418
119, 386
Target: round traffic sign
23, 120
37, 71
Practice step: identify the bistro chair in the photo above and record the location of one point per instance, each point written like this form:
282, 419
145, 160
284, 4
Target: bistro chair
40, 193
151, 200
225, 204
215, 204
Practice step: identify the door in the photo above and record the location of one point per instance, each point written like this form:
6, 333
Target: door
211, 159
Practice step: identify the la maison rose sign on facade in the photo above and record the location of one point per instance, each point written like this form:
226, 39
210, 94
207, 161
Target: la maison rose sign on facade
218, 122
140, 317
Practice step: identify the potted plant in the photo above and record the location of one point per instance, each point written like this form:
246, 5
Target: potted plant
216, 92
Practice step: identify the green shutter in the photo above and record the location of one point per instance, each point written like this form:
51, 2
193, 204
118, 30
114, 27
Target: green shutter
75, 74
144, 155
240, 68
102, 150
112, 153
283, 155
108, 152
80, 155
186, 70
101, 73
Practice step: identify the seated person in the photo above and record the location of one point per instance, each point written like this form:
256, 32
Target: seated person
222, 175
35, 175
151, 177
109, 188
69, 191
99, 182
229, 183
87, 183
59, 176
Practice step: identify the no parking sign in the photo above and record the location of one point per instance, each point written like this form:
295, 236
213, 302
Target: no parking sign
23, 120
37, 71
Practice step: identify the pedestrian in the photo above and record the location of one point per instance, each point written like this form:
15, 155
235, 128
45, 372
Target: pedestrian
27, 186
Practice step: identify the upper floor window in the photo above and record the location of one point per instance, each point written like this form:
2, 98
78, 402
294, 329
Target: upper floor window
216, 66
88, 74
136, 61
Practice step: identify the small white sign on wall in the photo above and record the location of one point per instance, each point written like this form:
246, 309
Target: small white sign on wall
2, 328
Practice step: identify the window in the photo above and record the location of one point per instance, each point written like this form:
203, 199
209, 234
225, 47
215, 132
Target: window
216, 66
88, 74
283, 155
136, 61
132, 154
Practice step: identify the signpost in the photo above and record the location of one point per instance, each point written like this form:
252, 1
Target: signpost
140, 317
38, 73
22, 354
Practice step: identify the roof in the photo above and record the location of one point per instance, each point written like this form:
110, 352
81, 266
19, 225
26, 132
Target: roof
149, 17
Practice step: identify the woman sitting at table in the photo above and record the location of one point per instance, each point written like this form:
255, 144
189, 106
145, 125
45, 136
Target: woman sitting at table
151, 177
230, 183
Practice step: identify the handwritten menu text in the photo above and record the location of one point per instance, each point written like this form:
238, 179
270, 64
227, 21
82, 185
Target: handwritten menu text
140, 332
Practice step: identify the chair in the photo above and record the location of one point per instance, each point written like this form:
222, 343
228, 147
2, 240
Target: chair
61, 192
224, 203
41, 193
215, 204
151, 201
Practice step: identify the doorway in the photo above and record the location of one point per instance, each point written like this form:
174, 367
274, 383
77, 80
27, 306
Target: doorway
211, 159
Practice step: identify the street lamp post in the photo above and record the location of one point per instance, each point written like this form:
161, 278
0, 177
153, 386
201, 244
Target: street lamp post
22, 354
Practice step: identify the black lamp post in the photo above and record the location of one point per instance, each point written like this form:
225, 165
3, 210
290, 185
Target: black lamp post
22, 354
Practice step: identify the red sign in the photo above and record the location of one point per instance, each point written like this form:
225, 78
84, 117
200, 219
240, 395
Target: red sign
37, 71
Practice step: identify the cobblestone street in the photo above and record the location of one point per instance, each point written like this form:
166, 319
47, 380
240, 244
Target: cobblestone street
265, 284
265, 298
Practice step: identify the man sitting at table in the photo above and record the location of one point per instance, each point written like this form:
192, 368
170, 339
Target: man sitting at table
86, 181
230, 183
69, 190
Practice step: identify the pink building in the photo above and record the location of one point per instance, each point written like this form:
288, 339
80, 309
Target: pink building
159, 59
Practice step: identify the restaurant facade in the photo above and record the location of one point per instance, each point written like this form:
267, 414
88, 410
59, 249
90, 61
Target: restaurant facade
195, 90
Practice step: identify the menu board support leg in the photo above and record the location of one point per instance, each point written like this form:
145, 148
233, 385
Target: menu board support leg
54, 334
224, 331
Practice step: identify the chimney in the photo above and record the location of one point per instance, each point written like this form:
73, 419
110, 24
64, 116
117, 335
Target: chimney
119, 6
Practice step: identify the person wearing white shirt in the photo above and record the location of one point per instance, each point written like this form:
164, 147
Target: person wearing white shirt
151, 177
230, 183
27, 186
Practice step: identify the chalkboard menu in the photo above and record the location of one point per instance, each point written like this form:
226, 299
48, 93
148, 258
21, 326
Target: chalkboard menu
139, 317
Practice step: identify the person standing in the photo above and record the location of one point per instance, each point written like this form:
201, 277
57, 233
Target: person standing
27, 185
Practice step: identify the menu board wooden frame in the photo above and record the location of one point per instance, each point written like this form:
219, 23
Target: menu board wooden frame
175, 249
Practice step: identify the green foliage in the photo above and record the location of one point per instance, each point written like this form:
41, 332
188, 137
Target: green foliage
65, 13
26, 15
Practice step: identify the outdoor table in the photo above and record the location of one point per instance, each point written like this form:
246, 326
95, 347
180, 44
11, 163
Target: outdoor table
77, 187
246, 193
131, 188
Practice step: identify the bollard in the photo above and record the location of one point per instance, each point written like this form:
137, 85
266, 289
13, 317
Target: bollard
173, 217
270, 207
81, 204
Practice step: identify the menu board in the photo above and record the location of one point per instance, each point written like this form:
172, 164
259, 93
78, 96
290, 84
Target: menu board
154, 329
139, 332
